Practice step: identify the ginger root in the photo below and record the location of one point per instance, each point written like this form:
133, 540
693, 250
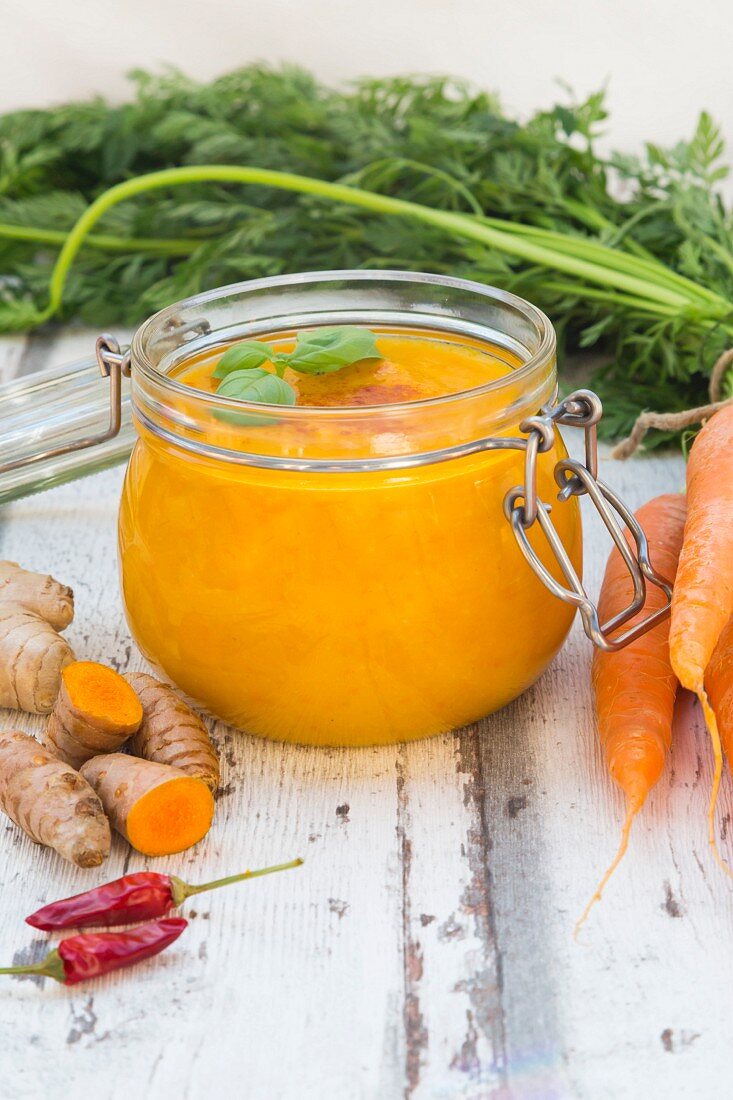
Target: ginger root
95, 712
51, 802
33, 608
32, 656
37, 592
171, 733
160, 810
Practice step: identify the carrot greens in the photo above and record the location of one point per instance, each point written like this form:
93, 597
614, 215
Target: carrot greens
262, 172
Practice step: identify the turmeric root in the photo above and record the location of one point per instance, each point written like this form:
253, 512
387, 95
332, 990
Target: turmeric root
172, 733
38, 593
51, 802
95, 712
160, 810
32, 656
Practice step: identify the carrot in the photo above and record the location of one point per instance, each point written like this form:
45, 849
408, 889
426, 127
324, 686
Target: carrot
703, 595
719, 686
635, 687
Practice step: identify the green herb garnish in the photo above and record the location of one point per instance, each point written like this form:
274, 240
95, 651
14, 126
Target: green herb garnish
244, 356
316, 351
257, 384
254, 384
323, 350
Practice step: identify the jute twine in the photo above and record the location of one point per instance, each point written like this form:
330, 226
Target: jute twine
675, 422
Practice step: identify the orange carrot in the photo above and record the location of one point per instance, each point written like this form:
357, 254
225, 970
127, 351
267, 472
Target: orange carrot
703, 594
719, 686
635, 687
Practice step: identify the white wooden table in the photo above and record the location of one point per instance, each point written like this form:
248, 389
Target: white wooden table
424, 950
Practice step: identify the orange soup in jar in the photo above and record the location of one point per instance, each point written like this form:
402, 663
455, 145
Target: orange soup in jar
338, 570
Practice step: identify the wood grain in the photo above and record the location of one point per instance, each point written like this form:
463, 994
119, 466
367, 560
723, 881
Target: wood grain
424, 951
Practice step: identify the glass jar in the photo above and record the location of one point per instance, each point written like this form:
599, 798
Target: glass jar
347, 576
327, 575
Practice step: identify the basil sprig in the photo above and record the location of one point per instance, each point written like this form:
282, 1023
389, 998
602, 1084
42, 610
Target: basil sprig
317, 351
324, 350
248, 354
257, 384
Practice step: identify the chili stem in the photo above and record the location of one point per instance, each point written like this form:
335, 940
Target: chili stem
50, 967
191, 890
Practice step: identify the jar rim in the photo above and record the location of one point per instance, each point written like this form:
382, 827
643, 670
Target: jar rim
166, 317
342, 437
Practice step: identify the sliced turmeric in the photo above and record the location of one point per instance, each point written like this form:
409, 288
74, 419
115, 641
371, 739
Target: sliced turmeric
95, 712
172, 733
37, 592
160, 810
32, 656
51, 802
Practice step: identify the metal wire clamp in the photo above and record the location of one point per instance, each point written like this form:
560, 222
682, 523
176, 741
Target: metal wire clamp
523, 508
113, 364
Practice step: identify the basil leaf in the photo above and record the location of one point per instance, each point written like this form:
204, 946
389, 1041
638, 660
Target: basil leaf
256, 384
244, 356
323, 350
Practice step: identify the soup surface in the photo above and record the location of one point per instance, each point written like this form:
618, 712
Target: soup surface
414, 365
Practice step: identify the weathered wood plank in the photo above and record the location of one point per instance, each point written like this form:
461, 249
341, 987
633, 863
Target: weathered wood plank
452, 993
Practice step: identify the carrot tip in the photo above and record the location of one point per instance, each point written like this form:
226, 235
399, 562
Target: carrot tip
712, 724
632, 810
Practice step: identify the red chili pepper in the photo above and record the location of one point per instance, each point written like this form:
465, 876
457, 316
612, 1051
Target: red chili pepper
138, 897
80, 958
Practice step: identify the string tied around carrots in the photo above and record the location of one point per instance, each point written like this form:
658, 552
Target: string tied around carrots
678, 421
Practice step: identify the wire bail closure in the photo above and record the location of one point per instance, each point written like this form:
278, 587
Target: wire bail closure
523, 508
113, 364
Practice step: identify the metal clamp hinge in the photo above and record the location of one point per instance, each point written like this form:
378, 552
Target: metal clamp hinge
113, 364
523, 509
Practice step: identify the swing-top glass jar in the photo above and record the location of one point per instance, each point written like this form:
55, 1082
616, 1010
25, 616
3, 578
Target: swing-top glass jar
349, 575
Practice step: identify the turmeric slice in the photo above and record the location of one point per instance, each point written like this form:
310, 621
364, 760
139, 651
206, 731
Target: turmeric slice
37, 592
95, 712
172, 733
51, 802
160, 810
32, 657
